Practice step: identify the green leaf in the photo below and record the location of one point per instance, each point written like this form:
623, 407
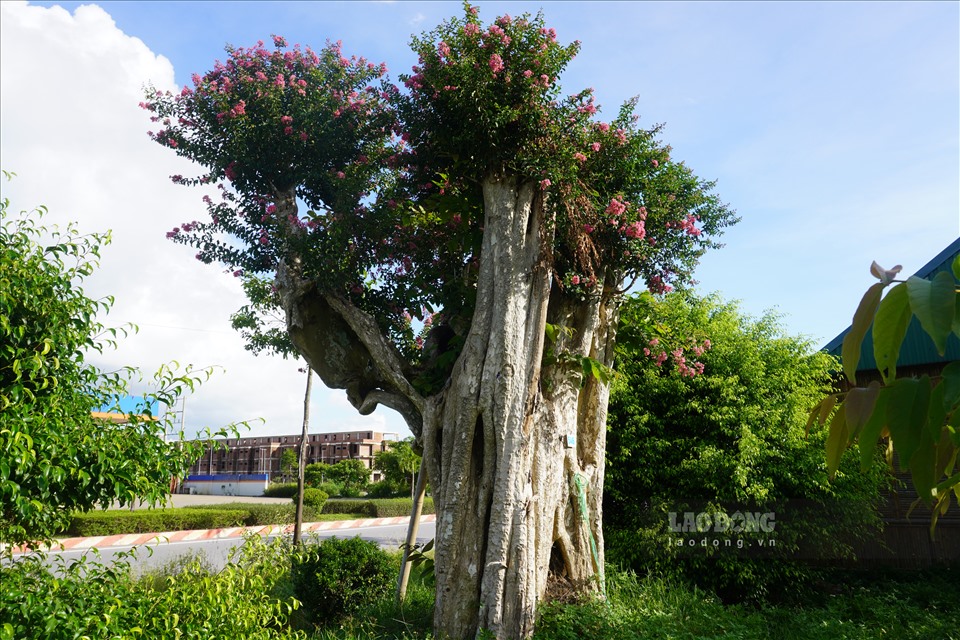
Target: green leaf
922, 464
955, 267
836, 442
907, 407
934, 304
850, 352
889, 328
950, 379
872, 429
858, 406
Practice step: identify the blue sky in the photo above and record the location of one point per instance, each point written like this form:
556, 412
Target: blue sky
832, 129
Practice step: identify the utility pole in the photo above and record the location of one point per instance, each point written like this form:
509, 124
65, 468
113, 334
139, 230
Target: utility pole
302, 458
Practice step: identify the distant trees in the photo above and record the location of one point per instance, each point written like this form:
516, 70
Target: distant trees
399, 464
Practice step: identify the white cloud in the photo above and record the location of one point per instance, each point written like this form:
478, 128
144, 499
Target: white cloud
73, 132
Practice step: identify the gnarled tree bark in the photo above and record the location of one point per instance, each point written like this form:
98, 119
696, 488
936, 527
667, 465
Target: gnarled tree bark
513, 447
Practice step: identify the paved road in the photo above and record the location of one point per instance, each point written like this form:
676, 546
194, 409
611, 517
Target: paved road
217, 551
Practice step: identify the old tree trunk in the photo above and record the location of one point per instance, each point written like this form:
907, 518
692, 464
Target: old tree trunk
514, 442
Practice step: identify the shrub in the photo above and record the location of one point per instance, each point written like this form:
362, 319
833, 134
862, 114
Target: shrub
112, 522
340, 577
732, 439
314, 498
281, 490
84, 598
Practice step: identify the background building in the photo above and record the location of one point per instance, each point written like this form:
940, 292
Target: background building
261, 454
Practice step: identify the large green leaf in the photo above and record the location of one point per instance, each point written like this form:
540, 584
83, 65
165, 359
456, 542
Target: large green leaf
950, 377
850, 352
889, 328
872, 429
955, 267
836, 442
858, 407
934, 304
922, 464
907, 407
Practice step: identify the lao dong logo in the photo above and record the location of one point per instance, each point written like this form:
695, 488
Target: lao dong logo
740, 530
739, 522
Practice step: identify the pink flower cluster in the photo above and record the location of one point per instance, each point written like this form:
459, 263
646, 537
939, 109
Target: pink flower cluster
688, 225
496, 63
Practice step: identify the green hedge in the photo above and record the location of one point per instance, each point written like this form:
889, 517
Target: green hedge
261, 514
377, 508
350, 506
281, 490
112, 522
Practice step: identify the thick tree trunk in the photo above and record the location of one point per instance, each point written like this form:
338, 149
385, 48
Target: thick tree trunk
506, 441
514, 448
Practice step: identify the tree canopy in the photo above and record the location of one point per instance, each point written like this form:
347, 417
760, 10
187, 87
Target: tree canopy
391, 178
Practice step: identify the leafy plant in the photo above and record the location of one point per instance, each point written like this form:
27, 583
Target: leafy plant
340, 577
732, 438
57, 457
918, 417
314, 498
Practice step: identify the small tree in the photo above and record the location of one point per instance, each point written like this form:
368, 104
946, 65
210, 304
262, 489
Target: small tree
55, 456
288, 464
353, 475
399, 464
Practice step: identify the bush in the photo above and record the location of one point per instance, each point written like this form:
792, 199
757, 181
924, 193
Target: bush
83, 598
281, 490
388, 489
731, 439
341, 577
314, 498
107, 523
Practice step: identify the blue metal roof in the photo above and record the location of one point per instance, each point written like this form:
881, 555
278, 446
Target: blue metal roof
917, 348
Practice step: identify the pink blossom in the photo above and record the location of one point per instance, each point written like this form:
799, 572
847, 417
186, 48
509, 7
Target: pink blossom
575, 280
579, 156
471, 29
654, 342
444, 50
545, 183
271, 209
604, 127
288, 131
707, 344
595, 146
341, 175
303, 136
636, 230
286, 120
588, 228
615, 208
655, 163
496, 63
527, 73
278, 41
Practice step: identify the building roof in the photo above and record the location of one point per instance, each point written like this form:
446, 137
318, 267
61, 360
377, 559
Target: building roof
918, 347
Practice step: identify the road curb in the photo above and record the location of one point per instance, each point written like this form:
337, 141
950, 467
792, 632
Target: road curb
133, 539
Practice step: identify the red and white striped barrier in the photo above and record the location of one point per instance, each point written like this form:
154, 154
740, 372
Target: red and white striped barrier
134, 539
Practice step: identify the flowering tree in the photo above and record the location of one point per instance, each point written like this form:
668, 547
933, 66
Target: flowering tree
460, 259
